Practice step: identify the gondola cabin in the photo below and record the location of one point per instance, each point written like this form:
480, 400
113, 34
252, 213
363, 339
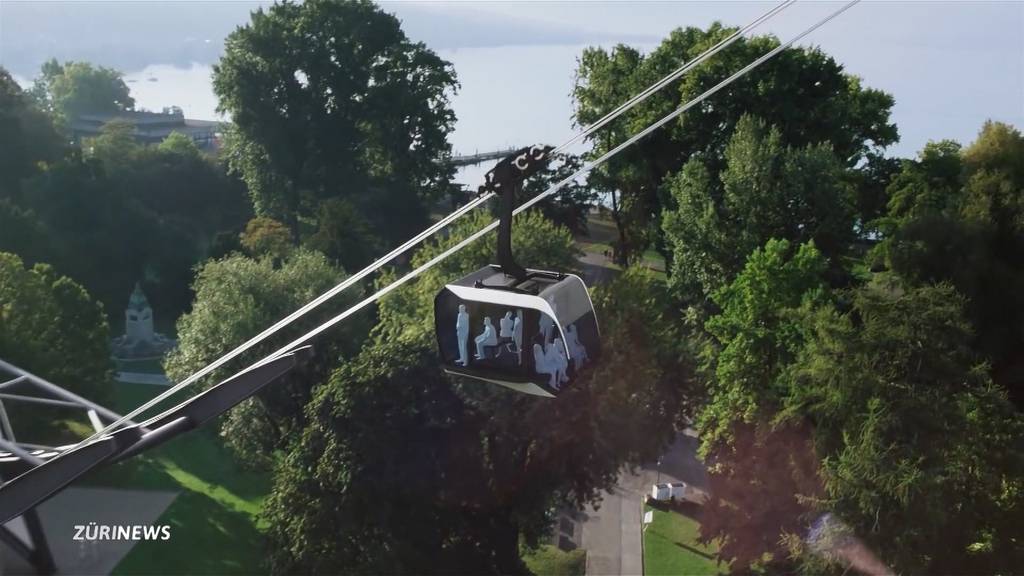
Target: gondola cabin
533, 334
530, 330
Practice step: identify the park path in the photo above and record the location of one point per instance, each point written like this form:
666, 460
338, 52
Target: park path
611, 533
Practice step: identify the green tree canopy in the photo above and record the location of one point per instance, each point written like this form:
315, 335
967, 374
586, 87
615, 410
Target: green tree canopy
330, 99
179, 144
872, 410
49, 325
403, 469
956, 215
115, 147
766, 190
27, 137
921, 453
266, 237
803, 92
344, 235
238, 297
570, 206
74, 88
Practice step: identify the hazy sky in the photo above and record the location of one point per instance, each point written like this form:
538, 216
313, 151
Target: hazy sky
950, 65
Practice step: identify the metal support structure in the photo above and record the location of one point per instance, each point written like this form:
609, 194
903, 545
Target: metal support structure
5, 424
37, 400
13, 382
52, 388
26, 537
62, 467
506, 180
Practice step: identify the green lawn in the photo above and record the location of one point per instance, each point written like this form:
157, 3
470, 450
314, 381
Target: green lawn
147, 366
213, 520
671, 547
548, 560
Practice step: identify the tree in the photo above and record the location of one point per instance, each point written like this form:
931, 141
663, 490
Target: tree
49, 325
330, 99
179, 144
766, 190
88, 215
115, 147
956, 216
868, 408
23, 234
266, 237
899, 402
344, 235
802, 91
73, 88
153, 210
238, 297
27, 137
569, 207
403, 469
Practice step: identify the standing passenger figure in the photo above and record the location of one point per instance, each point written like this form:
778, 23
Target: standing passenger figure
517, 335
462, 333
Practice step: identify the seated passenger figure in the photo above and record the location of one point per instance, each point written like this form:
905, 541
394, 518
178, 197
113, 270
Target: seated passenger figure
576, 349
556, 353
487, 338
506, 324
542, 365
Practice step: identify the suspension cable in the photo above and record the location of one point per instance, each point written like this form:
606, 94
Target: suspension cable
380, 262
554, 188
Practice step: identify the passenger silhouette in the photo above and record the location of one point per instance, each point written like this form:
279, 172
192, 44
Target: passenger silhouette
544, 328
462, 333
577, 352
543, 365
487, 338
517, 335
506, 324
558, 359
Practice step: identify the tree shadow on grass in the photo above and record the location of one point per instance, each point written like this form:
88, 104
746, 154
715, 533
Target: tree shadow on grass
206, 538
695, 551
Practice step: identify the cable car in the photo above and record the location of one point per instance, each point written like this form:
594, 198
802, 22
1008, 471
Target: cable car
530, 330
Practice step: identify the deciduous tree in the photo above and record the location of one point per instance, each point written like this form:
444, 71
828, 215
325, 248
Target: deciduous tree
49, 325
802, 91
765, 190
330, 99
74, 88
402, 469
238, 297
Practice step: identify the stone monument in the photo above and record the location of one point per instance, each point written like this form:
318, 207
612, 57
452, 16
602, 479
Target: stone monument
140, 340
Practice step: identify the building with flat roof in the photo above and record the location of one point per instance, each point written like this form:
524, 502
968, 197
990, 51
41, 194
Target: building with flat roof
151, 127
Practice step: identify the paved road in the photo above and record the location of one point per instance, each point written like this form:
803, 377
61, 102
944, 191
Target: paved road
595, 270
611, 533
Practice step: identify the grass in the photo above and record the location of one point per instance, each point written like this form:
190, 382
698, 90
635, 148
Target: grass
214, 524
548, 560
671, 547
147, 366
